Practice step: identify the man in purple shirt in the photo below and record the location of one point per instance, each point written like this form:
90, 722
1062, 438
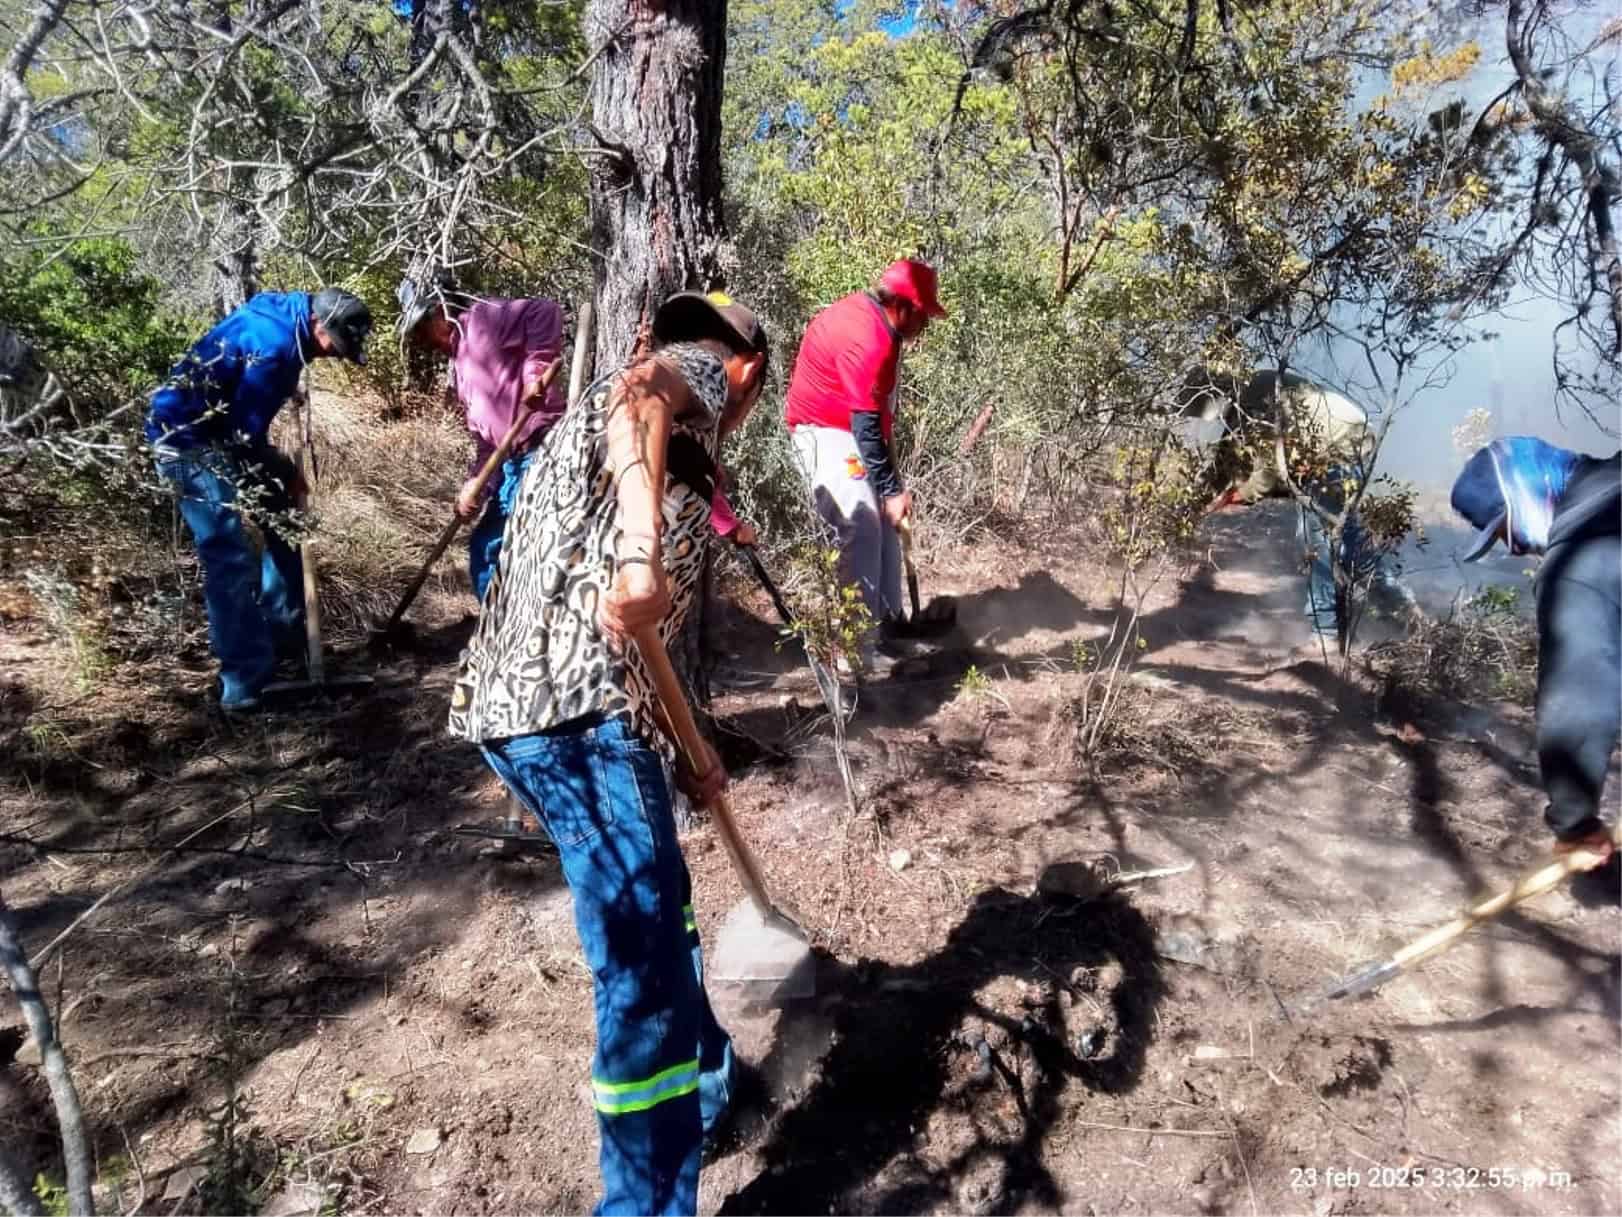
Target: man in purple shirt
498, 350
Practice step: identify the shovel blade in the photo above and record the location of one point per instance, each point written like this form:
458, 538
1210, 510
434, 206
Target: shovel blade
938, 617
767, 956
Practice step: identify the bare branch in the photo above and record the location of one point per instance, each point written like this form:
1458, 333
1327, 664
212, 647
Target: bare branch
65, 1096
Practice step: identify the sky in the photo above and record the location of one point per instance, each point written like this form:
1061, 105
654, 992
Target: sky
1511, 375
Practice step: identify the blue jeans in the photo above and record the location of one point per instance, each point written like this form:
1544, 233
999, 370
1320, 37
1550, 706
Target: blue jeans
1356, 557
662, 1072
484, 542
255, 602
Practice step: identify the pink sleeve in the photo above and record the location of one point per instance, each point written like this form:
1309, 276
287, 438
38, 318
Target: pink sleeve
722, 518
543, 342
482, 449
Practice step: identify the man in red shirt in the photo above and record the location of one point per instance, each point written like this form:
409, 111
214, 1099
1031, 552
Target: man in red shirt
841, 416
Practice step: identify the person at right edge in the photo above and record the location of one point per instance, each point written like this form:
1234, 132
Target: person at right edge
841, 417
607, 539
1539, 499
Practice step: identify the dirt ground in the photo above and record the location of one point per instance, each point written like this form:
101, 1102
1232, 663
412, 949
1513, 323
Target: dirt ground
327, 998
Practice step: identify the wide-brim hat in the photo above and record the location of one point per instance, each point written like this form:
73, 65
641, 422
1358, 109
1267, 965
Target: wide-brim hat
689, 316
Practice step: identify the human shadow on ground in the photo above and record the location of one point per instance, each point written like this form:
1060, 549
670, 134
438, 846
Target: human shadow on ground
910, 1041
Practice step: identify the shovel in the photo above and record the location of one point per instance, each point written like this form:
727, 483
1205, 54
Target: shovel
759, 947
941, 614
391, 632
1534, 883
826, 684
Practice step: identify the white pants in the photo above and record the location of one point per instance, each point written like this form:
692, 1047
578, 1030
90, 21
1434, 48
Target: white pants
870, 549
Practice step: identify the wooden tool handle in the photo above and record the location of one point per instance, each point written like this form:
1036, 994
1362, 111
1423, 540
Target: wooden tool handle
1533, 883
771, 588
520, 421
680, 717
486, 472
446, 536
315, 659
904, 530
582, 352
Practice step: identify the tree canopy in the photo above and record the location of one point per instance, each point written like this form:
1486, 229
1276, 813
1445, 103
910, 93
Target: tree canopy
1117, 193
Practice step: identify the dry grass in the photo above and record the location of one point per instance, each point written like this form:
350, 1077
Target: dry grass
1141, 729
1485, 648
383, 494
116, 579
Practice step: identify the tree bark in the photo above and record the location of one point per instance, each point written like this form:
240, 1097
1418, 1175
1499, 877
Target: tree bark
236, 261
16, 103
233, 245
656, 176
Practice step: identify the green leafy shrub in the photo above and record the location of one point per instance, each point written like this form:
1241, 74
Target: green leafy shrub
97, 322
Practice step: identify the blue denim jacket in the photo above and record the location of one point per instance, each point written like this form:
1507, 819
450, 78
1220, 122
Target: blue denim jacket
242, 370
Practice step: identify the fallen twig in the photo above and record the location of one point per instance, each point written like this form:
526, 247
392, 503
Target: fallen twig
1158, 1132
1158, 872
131, 881
1240, 1150
140, 1174
178, 1054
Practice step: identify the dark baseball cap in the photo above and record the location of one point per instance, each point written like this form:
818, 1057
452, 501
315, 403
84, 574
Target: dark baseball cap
688, 316
421, 295
346, 319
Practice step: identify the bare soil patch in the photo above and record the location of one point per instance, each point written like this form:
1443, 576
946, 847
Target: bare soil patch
410, 1021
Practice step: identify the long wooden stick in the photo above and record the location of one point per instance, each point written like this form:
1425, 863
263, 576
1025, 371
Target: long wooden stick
679, 715
1534, 883
905, 529
64, 1095
314, 655
486, 472
581, 366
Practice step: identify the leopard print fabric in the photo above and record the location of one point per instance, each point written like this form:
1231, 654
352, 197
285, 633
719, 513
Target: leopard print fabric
536, 660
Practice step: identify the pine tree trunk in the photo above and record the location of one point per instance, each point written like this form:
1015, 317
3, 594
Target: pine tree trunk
656, 187
235, 258
656, 220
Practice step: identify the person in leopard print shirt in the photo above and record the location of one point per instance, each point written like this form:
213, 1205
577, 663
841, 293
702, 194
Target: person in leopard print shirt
607, 537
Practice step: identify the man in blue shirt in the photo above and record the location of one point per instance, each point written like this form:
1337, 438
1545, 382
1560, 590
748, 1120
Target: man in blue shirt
209, 426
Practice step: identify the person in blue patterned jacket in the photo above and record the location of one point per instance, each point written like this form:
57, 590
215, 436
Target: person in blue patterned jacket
209, 427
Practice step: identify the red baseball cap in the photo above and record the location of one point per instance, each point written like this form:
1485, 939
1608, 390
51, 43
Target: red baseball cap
915, 283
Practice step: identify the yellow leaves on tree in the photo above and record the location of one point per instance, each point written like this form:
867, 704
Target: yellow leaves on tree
1428, 70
